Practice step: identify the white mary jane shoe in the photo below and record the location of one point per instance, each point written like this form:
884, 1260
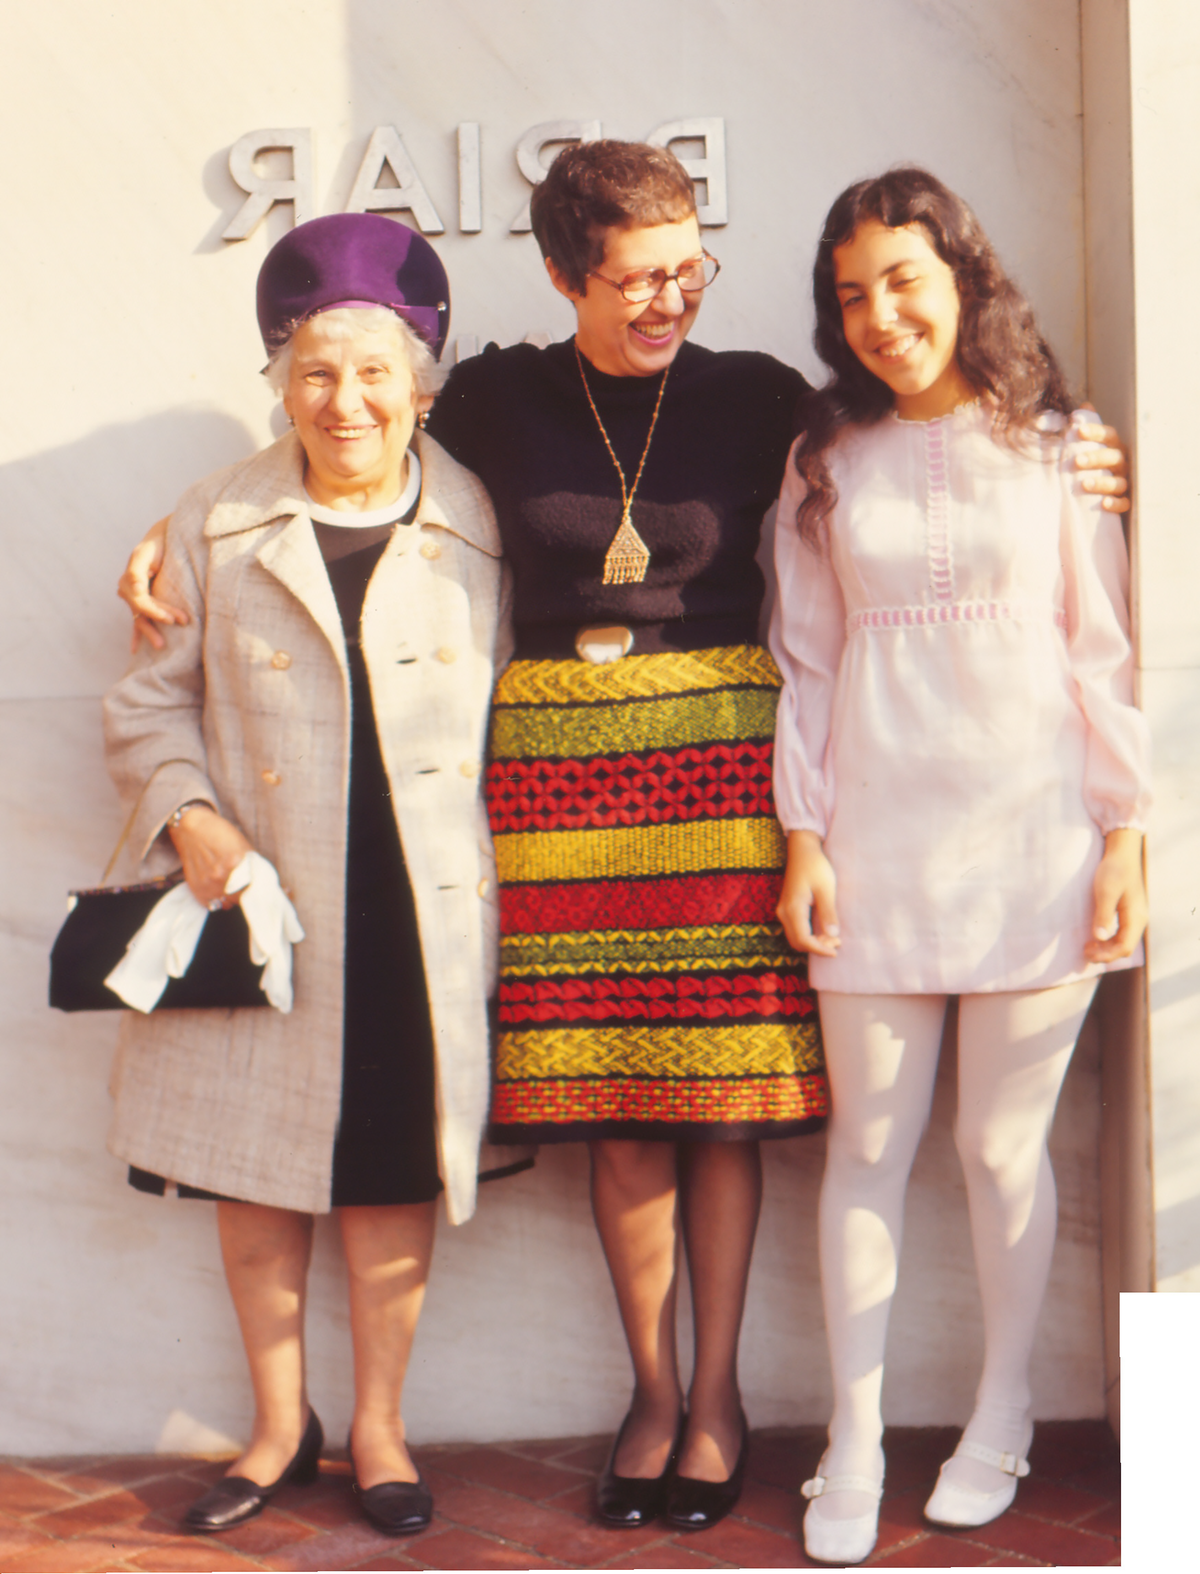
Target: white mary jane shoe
954, 1504
840, 1541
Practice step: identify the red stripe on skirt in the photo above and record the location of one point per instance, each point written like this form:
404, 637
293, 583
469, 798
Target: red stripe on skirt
655, 998
719, 781
657, 903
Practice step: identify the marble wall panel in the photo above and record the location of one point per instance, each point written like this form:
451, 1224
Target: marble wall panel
1164, 38
1165, 116
1172, 701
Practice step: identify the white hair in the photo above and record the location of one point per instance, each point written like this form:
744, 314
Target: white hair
347, 322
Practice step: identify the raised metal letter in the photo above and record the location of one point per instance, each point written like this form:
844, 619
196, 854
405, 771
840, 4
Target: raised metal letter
265, 191
529, 151
709, 129
367, 196
470, 184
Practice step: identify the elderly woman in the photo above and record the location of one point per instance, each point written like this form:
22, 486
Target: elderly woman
649, 1002
325, 704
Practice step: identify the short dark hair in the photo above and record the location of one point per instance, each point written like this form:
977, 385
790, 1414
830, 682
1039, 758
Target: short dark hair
592, 187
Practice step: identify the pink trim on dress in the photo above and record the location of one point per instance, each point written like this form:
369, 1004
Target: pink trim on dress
937, 494
953, 612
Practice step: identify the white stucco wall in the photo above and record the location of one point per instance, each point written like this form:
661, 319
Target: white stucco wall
132, 355
1164, 50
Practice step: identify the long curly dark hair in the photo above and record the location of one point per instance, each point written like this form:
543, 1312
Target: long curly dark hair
1001, 352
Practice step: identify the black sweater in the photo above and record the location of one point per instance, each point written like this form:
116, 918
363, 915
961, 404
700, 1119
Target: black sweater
520, 419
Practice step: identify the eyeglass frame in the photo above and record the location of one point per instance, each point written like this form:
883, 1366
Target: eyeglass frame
668, 278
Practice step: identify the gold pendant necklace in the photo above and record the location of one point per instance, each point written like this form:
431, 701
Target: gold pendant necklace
628, 556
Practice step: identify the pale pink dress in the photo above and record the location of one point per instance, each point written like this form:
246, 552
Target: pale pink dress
957, 714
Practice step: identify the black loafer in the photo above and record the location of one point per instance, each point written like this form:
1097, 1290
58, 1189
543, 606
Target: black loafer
695, 1505
628, 1502
237, 1498
398, 1508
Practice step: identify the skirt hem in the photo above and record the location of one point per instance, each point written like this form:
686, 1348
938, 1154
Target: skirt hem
657, 1131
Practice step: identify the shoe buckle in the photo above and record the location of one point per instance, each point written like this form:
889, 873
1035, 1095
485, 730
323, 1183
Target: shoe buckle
1013, 1465
813, 1488
1010, 1464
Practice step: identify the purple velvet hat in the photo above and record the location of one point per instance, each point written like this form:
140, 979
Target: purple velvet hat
353, 259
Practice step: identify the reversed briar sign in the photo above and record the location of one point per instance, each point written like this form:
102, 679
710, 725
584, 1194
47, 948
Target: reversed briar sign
386, 153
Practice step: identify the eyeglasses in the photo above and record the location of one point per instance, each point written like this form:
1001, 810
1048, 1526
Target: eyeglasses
637, 288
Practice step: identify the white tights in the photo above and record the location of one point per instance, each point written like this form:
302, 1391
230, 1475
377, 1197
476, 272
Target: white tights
882, 1054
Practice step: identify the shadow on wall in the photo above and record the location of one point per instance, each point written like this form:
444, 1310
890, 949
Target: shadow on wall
68, 517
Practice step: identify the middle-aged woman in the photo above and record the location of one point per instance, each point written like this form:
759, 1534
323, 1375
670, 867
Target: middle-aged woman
325, 703
648, 1000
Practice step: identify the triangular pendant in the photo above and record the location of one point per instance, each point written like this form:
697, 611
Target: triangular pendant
628, 558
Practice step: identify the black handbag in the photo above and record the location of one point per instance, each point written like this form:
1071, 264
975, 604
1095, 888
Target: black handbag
100, 924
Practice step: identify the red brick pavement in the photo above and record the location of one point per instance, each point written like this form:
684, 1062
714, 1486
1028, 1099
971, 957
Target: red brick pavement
526, 1506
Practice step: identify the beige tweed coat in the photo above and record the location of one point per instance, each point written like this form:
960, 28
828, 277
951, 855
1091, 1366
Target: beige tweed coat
248, 707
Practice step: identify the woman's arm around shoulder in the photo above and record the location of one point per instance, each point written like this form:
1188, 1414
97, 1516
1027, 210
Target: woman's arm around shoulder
473, 398
136, 586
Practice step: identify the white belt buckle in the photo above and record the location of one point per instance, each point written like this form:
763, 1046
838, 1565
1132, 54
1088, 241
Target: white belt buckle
604, 642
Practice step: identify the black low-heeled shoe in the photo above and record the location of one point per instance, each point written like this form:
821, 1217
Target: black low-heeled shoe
398, 1508
628, 1502
235, 1499
695, 1505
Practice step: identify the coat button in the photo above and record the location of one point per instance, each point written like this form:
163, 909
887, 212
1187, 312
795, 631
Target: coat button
483, 887
446, 654
281, 661
469, 768
272, 778
430, 549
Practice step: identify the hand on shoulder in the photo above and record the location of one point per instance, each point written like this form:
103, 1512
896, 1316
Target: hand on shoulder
136, 588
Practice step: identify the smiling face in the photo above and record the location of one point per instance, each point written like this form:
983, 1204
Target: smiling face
354, 404
636, 340
900, 313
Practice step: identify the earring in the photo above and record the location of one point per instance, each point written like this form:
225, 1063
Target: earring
423, 419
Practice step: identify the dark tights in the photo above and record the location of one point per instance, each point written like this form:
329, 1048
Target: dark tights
649, 1198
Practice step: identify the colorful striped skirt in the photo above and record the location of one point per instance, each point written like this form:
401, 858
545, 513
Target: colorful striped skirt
646, 987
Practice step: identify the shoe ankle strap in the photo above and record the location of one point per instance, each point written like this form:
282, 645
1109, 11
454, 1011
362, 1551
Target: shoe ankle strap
1011, 1464
819, 1485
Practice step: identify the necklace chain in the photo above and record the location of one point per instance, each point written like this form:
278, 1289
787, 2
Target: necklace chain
628, 556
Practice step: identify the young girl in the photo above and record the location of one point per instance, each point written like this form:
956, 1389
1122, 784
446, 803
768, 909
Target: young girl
963, 780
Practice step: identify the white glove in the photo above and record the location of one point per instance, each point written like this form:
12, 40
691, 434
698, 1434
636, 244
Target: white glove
162, 948
165, 944
273, 924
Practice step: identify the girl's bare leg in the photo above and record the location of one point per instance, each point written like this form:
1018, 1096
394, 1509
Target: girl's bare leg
388, 1251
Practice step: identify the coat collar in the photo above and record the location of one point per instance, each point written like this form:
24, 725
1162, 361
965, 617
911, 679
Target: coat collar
270, 487
267, 487
453, 498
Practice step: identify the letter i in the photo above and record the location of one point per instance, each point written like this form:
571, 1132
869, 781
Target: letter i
470, 183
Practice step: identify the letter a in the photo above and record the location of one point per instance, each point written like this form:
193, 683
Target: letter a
368, 196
